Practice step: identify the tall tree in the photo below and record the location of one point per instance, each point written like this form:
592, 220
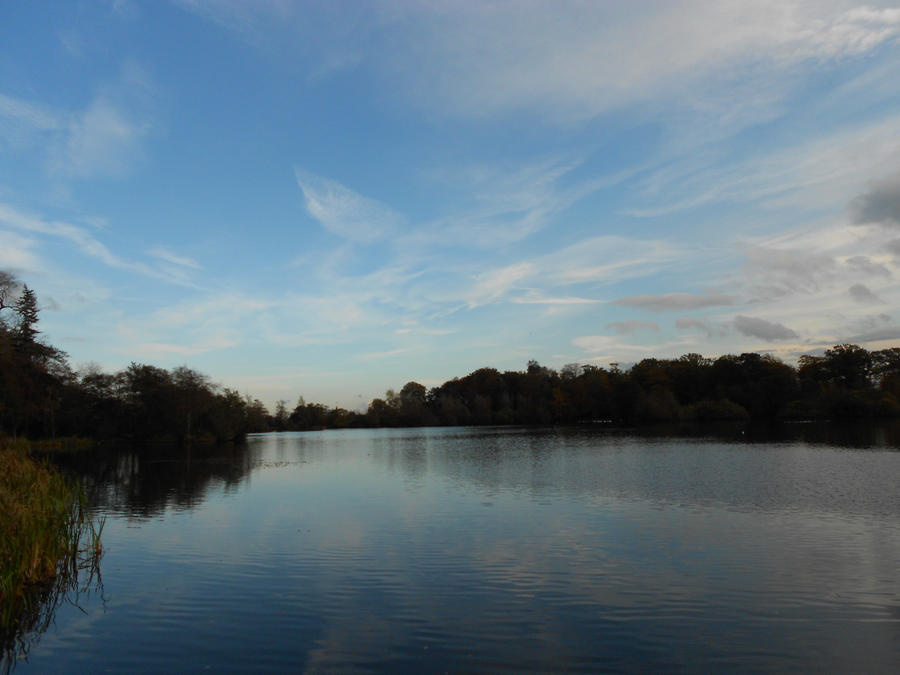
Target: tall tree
280, 418
27, 309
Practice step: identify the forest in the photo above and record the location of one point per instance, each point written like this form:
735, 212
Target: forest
42, 396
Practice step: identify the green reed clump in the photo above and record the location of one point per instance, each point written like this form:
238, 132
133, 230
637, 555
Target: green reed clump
46, 533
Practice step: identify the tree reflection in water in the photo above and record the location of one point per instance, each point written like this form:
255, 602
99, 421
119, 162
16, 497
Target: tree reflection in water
78, 579
143, 481
139, 482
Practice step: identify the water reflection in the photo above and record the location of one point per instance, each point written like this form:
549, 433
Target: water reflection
846, 434
143, 482
78, 582
484, 549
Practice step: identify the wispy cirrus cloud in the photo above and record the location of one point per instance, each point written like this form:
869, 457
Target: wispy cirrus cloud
500, 205
606, 348
173, 258
387, 354
157, 350
538, 279
489, 286
810, 173
79, 236
221, 319
82, 239
105, 139
622, 258
17, 252
534, 298
347, 213
570, 61
24, 119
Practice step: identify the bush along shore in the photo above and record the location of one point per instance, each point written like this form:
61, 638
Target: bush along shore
49, 545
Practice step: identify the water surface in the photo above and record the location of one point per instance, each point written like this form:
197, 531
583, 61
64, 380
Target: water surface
495, 549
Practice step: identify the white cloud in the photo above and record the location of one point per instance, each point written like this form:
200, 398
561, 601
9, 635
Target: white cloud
347, 213
815, 280
804, 274
377, 356
77, 235
609, 348
490, 286
623, 258
156, 350
103, 140
195, 326
825, 171
502, 205
569, 266
571, 60
31, 115
226, 318
16, 252
533, 298
83, 240
125, 9
174, 258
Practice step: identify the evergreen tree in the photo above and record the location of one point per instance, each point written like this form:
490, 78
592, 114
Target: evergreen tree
27, 309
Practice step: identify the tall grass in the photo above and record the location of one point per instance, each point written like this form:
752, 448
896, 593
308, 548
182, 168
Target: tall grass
47, 538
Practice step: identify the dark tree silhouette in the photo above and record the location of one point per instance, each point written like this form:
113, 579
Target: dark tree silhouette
41, 396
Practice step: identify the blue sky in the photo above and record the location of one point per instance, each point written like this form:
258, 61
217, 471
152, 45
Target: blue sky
330, 199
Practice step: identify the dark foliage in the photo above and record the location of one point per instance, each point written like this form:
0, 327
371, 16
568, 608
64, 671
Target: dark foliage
847, 382
40, 396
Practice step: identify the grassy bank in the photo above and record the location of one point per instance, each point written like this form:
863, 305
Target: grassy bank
46, 533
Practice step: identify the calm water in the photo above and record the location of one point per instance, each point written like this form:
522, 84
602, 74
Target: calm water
495, 549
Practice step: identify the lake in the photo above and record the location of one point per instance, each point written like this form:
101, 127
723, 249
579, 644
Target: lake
494, 549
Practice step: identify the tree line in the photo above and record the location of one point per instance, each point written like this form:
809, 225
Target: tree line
846, 382
42, 396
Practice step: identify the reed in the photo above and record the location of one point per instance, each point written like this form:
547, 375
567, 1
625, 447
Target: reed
47, 535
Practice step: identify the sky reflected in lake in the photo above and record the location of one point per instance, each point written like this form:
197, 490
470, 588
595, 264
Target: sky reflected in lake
500, 549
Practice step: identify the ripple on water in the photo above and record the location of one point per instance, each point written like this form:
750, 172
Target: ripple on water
471, 550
